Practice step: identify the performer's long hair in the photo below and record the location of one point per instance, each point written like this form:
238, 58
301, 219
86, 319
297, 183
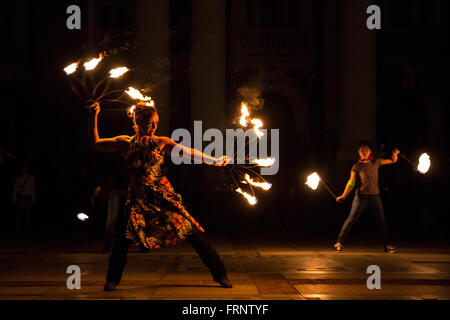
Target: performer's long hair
141, 117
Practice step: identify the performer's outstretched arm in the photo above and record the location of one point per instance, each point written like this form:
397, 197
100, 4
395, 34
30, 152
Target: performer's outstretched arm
348, 188
393, 159
116, 144
169, 145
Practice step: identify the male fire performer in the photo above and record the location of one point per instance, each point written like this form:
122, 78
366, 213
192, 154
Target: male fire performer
367, 193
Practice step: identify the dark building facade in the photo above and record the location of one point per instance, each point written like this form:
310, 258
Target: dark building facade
326, 80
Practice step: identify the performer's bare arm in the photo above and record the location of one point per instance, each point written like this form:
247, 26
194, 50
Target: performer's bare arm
393, 159
167, 145
116, 144
348, 188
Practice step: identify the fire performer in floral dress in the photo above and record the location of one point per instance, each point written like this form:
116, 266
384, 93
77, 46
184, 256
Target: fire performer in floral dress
155, 216
367, 193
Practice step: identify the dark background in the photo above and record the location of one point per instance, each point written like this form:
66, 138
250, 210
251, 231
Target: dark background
45, 124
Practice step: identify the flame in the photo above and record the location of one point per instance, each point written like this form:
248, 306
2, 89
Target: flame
71, 68
118, 72
137, 95
424, 163
244, 114
91, 64
131, 110
251, 200
257, 124
82, 216
264, 162
313, 181
263, 185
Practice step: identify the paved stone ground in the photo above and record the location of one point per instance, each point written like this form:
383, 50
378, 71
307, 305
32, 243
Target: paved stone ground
34, 268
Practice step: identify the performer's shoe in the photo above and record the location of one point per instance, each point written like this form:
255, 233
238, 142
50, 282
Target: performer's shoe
389, 249
338, 246
224, 282
109, 286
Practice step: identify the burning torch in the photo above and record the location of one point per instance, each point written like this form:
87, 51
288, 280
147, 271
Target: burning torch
313, 182
423, 165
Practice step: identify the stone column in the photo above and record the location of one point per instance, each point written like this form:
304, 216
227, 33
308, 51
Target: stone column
208, 63
357, 78
152, 56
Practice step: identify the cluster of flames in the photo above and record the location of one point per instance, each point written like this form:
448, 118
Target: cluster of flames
88, 65
245, 121
257, 123
113, 73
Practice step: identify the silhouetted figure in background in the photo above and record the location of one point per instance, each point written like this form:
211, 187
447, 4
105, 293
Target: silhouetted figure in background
99, 205
24, 195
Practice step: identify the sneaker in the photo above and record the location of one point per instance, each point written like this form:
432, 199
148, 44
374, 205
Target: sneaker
389, 249
338, 246
109, 286
225, 282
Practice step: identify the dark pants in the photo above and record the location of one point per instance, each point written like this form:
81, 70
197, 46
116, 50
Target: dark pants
360, 203
209, 256
115, 201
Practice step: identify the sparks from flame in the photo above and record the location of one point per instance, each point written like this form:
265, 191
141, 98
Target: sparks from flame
424, 163
118, 72
71, 68
82, 216
263, 185
313, 181
264, 162
244, 115
251, 200
91, 64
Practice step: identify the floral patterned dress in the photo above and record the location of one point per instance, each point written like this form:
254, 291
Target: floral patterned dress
156, 215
